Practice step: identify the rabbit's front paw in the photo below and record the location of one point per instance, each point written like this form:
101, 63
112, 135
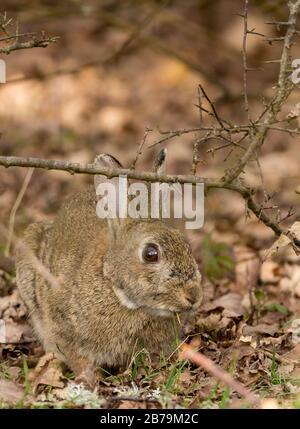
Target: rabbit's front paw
89, 377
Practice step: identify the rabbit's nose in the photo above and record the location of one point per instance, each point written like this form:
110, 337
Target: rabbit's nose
193, 294
190, 300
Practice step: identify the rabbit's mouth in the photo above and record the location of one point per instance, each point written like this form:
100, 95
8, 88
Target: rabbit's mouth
131, 305
171, 312
159, 312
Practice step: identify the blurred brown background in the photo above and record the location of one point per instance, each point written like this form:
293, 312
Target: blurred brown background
117, 69
122, 66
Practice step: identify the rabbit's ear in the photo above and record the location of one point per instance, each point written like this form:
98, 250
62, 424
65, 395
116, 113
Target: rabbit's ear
146, 199
108, 161
159, 166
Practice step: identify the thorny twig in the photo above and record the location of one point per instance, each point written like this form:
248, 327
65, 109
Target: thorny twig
283, 89
33, 42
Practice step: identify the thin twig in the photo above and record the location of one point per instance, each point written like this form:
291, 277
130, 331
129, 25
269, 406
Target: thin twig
14, 36
218, 373
244, 51
15, 208
140, 148
212, 107
21, 246
134, 35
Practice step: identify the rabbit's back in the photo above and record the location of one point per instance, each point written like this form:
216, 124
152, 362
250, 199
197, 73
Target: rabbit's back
63, 249
75, 230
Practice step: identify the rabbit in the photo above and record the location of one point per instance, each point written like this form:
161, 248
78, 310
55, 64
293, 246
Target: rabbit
120, 283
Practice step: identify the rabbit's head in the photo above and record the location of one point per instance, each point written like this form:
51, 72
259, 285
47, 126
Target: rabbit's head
149, 264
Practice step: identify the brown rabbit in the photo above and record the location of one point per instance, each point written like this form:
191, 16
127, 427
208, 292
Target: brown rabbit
120, 283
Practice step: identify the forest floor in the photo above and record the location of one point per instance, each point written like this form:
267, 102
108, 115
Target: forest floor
250, 334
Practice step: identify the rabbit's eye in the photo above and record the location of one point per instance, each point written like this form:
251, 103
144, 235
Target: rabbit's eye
150, 253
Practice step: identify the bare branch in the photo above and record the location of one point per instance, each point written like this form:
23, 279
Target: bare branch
244, 51
92, 169
284, 87
34, 43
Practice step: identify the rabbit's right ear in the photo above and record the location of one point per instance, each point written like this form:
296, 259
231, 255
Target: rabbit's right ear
159, 165
108, 189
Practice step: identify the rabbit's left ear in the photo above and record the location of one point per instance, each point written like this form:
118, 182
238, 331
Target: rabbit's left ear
104, 185
146, 198
106, 161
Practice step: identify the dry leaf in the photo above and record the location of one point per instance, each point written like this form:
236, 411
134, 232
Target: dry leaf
47, 372
17, 333
270, 272
286, 369
246, 268
231, 302
261, 328
209, 323
125, 405
292, 282
273, 341
269, 404
10, 392
294, 367
249, 340
295, 229
282, 242
11, 306
245, 338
